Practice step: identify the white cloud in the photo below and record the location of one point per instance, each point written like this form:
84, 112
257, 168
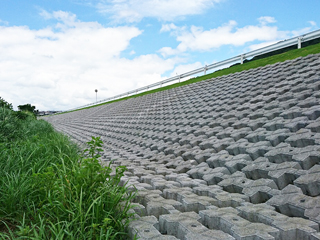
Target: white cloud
3, 22
168, 27
266, 19
183, 68
168, 51
312, 27
58, 68
166, 10
313, 23
290, 34
261, 45
197, 39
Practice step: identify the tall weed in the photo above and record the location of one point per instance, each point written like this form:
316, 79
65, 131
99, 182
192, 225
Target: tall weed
51, 190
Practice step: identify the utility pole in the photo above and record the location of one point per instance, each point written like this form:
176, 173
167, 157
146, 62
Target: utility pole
96, 95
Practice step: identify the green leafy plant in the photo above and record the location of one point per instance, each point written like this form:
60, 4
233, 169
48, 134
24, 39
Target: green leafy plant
86, 194
9, 125
50, 189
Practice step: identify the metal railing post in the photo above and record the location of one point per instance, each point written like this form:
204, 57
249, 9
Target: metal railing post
242, 58
205, 70
299, 42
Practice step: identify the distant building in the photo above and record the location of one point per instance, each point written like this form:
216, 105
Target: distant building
43, 113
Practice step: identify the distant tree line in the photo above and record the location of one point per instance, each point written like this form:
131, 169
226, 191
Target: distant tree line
24, 110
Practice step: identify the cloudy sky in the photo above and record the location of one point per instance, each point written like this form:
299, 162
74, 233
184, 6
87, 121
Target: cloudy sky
55, 53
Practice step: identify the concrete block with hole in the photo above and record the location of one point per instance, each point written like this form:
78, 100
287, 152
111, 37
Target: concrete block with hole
292, 202
187, 226
223, 198
228, 220
216, 175
291, 228
189, 200
147, 228
309, 183
282, 174
236, 183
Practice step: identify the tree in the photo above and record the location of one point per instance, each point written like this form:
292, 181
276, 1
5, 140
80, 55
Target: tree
27, 108
5, 104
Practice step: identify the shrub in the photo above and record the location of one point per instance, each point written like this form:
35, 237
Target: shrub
5, 104
9, 125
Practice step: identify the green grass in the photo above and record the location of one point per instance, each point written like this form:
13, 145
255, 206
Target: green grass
292, 54
51, 190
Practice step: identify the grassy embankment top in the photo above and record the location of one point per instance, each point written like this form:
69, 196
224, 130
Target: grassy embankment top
292, 54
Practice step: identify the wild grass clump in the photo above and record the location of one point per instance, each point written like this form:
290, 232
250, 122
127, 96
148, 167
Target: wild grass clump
49, 189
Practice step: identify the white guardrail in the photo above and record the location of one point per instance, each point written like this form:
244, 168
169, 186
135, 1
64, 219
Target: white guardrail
240, 58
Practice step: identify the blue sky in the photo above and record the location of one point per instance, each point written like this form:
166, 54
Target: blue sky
54, 54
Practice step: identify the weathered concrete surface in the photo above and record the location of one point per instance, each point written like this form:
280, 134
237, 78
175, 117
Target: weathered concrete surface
235, 157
